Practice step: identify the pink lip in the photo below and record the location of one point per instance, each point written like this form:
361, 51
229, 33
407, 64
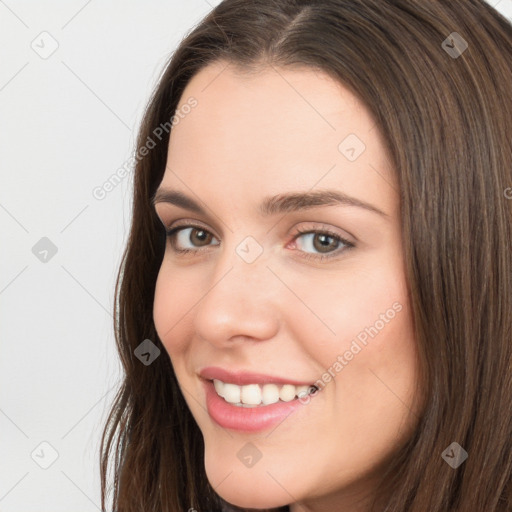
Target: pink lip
245, 419
242, 378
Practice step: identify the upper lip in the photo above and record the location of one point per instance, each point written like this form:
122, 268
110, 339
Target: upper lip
241, 378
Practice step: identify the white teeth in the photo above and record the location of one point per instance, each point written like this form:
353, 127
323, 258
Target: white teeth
219, 386
270, 394
287, 393
302, 391
231, 393
253, 395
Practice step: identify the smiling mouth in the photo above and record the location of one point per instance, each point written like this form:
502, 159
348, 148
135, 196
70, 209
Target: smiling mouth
256, 395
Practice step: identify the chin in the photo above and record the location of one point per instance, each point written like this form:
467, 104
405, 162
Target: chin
244, 487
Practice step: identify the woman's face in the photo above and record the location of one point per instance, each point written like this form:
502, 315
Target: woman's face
254, 300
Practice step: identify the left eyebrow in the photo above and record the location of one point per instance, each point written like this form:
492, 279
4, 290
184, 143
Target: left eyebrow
277, 204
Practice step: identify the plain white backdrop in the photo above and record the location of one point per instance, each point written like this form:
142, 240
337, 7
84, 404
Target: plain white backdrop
75, 77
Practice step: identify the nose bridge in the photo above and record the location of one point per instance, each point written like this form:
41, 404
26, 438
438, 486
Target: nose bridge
244, 267
240, 300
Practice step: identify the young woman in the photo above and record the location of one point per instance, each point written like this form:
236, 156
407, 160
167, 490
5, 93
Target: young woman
314, 306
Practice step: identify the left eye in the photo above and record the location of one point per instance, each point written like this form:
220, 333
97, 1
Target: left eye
321, 241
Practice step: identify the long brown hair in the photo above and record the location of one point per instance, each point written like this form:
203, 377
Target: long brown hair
445, 112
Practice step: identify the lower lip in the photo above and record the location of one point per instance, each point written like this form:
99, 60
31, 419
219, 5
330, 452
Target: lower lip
247, 419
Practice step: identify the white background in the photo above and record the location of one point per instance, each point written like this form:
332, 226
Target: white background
67, 123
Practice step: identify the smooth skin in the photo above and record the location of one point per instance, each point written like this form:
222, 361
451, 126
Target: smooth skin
252, 136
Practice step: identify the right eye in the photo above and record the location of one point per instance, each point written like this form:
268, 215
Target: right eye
180, 236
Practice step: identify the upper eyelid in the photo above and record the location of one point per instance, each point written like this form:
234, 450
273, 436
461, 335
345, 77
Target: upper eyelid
187, 224
303, 231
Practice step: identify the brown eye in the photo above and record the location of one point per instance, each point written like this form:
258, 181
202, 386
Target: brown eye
323, 244
199, 237
187, 238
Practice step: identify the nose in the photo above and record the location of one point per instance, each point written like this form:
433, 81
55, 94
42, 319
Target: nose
242, 303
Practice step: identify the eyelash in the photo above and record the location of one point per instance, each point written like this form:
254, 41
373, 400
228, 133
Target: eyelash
308, 256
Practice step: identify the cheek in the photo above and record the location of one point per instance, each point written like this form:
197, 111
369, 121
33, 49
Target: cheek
174, 297
376, 383
360, 312
362, 337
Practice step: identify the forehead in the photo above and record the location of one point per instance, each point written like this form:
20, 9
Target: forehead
275, 129
291, 104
